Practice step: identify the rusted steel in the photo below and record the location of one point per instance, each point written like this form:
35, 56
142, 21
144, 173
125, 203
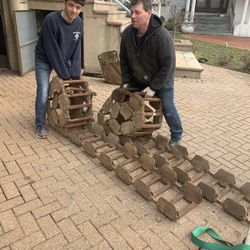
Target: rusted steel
131, 113
123, 142
212, 191
191, 193
70, 103
110, 66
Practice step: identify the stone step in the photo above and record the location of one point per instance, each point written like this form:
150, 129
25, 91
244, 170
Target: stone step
187, 65
116, 15
119, 22
211, 27
213, 33
212, 24
102, 7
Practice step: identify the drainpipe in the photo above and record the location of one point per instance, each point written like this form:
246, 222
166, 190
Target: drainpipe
193, 10
244, 12
187, 10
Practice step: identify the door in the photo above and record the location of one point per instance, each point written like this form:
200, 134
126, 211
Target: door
3, 50
26, 33
212, 6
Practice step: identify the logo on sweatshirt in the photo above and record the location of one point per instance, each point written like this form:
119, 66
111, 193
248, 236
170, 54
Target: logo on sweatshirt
76, 35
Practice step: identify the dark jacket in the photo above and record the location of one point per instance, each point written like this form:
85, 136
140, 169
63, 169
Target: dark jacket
60, 45
154, 63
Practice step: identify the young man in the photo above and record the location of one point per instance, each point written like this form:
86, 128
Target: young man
58, 48
147, 59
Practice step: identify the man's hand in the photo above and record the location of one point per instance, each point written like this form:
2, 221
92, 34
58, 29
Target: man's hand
125, 86
149, 92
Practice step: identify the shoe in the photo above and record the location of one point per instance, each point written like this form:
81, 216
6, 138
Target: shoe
41, 132
172, 144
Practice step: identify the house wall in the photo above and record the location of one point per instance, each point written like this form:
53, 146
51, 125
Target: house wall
168, 5
239, 5
242, 30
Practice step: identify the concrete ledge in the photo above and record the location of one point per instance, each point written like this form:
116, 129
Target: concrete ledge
183, 45
187, 65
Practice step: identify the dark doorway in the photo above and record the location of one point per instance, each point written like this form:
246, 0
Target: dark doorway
212, 6
3, 50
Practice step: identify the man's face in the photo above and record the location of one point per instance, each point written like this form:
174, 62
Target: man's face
139, 17
72, 9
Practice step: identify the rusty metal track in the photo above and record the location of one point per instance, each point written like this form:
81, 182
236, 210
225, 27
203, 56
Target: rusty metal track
167, 176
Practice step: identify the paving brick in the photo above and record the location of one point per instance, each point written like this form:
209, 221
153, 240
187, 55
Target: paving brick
46, 209
10, 178
133, 239
63, 198
144, 224
12, 167
28, 159
28, 169
172, 241
10, 190
65, 212
2, 196
28, 242
76, 187
104, 218
78, 244
124, 221
84, 215
10, 237
27, 150
69, 230
154, 241
27, 193
13, 149
27, 207
136, 208
90, 178
74, 176
48, 226
57, 242
12, 203
28, 223
117, 205
8, 221
216, 124
112, 237
45, 194
90, 233
102, 246
97, 201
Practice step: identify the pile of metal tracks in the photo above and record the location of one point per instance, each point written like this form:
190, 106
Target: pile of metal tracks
168, 177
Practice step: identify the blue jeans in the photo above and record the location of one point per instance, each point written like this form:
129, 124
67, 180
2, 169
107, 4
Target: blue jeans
166, 94
42, 71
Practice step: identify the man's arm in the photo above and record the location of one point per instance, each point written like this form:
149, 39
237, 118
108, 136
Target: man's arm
75, 70
166, 56
52, 50
124, 64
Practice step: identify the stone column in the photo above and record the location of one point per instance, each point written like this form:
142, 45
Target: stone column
193, 10
244, 12
187, 10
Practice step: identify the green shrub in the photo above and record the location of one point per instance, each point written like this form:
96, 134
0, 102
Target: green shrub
224, 60
246, 62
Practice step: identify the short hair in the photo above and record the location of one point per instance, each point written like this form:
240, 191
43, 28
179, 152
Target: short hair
81, 2
147, 5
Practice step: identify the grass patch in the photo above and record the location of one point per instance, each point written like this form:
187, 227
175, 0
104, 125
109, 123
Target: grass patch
218, 55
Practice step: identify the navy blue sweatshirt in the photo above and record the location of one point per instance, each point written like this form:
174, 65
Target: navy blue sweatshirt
59, 45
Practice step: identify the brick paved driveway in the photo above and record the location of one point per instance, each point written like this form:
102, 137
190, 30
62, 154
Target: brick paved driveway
52, 196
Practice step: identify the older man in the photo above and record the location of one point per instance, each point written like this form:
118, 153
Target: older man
147, 58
